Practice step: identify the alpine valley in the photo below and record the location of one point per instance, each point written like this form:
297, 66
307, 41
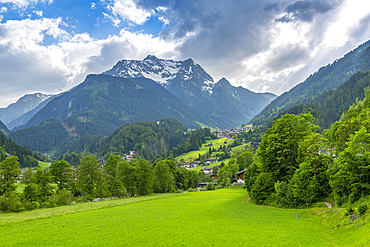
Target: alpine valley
131, 91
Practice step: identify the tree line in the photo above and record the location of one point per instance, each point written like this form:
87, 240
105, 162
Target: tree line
62, 184
295, 166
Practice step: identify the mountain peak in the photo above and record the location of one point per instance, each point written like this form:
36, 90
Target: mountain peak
150, 57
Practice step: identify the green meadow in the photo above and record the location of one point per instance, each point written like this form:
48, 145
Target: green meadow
209, 218
190, 156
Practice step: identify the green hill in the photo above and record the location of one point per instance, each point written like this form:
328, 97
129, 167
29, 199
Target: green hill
326, 78
330, 105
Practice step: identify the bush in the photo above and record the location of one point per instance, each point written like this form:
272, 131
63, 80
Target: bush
179, 191
10, 203
31, 205
218, 187
363, 208
192, 190
210, 186
203, 189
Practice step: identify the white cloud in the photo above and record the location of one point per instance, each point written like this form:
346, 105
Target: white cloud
29, 66
113, 19
128, 10
3, 9
38, 12
93, 5
24, 3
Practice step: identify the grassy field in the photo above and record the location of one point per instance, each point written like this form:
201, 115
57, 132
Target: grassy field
211, 218
190, 156
44, 165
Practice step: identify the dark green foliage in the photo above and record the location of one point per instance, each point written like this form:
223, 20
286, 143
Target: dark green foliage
163, 178
63, 175
211, 186
326, 78
191, 141
46, 136
9, 172
90, 178
25, 156
363, 208
102, 103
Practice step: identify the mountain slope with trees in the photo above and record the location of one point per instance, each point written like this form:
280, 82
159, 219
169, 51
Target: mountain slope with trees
326, 78
330, 105
189, 82
102, 103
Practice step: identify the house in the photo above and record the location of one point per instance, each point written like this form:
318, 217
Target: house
255, 144
214, 176
239, 176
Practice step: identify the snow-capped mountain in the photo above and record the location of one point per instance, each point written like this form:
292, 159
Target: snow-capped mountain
23, 105
189, 82
164, 72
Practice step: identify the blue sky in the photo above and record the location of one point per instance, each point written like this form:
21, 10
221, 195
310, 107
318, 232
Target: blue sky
50, 46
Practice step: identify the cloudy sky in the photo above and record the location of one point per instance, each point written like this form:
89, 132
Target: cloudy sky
50, 46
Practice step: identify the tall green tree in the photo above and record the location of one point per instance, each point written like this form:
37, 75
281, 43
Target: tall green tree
114, 184
311, 180
62, 173
350, 174
163, 178
90, 179
9, 172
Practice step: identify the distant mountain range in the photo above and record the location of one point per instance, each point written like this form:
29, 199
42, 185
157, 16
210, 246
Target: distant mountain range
189, 82
326, 78
24, 105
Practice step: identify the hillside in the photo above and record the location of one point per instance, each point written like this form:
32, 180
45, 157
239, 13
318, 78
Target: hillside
102, 103
330, 105
326, 78
189, 82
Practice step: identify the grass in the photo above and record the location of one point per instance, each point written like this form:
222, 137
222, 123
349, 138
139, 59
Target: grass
43, 165
190, 156
211, 218
198, 168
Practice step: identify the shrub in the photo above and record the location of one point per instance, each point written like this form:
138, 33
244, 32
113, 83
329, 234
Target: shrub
10, 203
179, 191
218, 187
203, 189
191, 190
210, 186
363, 208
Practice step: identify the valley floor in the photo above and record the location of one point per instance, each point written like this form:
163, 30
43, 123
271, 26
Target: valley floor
209, 218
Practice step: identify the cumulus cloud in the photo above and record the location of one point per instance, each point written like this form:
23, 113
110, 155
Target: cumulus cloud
128, 10
29, 66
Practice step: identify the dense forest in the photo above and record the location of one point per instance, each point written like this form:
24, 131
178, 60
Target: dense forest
329, 105
26, 157
295, 166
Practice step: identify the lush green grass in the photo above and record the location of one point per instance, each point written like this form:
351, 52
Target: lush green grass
44, 165
210, 165
211, 218
190, 156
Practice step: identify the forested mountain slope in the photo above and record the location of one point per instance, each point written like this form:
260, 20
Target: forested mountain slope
102, 103
189, 82
326, 78
330, 105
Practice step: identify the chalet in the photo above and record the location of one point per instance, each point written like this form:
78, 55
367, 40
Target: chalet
255, 144
207, 170
239, 176
214, 176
